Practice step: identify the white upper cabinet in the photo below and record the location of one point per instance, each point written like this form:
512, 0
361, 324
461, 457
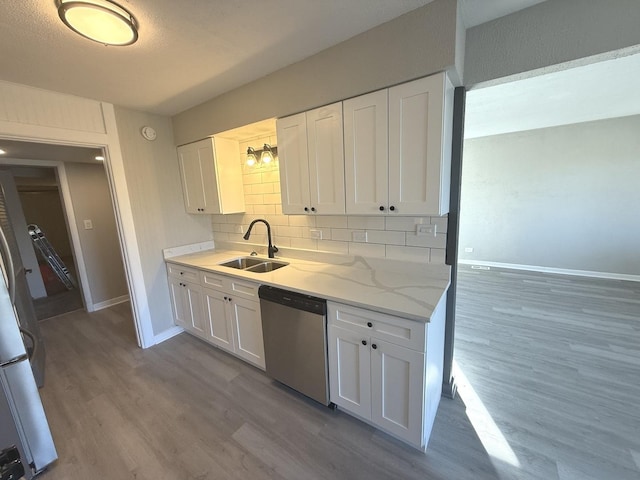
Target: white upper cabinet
420, 125
366, 151
293, 157
311, 155
211, 176
398, 149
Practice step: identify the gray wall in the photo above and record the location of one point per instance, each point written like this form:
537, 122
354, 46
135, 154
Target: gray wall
153, 180
413, 45
564, 197
549, 33
91, 200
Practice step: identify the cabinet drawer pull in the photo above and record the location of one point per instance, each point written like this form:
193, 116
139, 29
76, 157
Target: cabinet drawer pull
364, 342
374, 346
381, 208
369, 324
306, 209
313, 209
392, 208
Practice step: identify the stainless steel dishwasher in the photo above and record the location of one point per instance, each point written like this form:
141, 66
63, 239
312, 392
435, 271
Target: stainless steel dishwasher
294, 328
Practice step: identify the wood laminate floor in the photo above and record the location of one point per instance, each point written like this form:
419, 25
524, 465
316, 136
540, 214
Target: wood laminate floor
549, 370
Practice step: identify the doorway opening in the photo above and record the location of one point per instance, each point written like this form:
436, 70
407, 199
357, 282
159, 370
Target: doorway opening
548, 279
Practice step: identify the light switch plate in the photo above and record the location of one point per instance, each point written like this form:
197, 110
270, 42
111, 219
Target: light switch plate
88, 225
315, 233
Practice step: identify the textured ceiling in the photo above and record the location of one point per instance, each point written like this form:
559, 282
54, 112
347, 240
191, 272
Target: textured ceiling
190, 51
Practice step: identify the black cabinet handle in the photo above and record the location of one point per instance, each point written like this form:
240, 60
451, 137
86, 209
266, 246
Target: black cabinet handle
364, 342
313, 209
381, 208
374, 346
306, 209
369, 324
225, 298
392, 208
181, 273
229, 298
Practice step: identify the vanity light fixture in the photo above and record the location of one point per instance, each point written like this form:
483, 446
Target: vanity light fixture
2, 152
256, 158
100, 158
102, 21
267, 154
252, 159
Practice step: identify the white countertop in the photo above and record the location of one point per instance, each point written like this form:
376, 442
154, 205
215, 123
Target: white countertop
398, 288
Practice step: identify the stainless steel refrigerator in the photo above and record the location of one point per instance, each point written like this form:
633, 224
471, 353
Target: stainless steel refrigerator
23, 422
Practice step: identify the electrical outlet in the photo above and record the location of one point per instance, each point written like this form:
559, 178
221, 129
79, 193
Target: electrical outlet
360, 236
88, 225
468, 249
316, 234
423, 230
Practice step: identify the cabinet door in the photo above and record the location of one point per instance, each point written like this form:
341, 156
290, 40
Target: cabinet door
397, 390
178, 294
418, 165
195, 172
326, 159
247, 329
293, 158
349, 371
194, 308
366, 152
218, 323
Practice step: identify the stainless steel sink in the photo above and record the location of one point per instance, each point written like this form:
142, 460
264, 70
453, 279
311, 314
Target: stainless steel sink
268, 266
243, 262
252, 264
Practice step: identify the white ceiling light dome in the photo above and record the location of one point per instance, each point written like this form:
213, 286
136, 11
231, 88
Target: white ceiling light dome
102, 21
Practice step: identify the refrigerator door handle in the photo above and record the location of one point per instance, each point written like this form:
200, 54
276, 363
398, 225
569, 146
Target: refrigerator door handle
34, 341
14, 360
4, 244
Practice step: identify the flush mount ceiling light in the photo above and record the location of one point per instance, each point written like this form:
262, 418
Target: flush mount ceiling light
102, 21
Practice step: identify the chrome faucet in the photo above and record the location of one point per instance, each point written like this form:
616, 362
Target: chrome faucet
272, 249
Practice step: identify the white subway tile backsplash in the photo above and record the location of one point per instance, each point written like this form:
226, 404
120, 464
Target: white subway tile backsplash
252, 199
331, 222
405, 224
264, 209
252, 178
272, 198
340, 234
261, 188
441, 222
287, 231
437, 241
271, 176
305, 243
365, 223
384, 237
302, 220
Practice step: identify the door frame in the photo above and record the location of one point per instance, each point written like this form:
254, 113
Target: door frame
109, 142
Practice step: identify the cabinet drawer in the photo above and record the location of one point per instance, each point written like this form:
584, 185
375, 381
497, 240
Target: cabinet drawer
233, 286
396, 330
186, 273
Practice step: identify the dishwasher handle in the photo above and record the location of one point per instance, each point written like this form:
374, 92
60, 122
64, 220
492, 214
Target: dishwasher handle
298, 301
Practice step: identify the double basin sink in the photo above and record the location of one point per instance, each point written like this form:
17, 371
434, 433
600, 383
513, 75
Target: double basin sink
253, 264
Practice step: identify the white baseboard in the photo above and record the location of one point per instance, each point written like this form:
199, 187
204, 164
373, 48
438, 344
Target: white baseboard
167, 334
560, 271
109, 303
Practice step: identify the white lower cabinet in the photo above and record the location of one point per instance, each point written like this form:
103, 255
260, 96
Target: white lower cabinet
377, 371
186, 300
235, 325
222, 310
